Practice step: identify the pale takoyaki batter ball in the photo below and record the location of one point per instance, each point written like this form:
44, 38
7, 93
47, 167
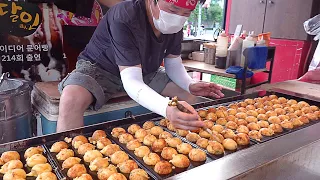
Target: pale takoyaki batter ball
65, 154
232, 125
263, 124
116, 132
277, 128
32, 151
39, 169
180, 161
71, 161
158, 145
84, 177
117, 176
76, 171
127, 166
149, 139
110, 149
50, 176
138, 174
148, 125
173, 142
125, 138
119, 157
103, 142
132, 129
197, 155
140, 134
85, 147
255, 135
105, 173
202, 142
13, 164
253, 126
193, 137
91, 155
215, 148
15, 174
37, 159
202, 113
163, 168
287, 124
218, 128
167, 153
204, 134
142, 151
184, 148
212, 117
10, 155
242, 139
79, 140
165, 135
222, 121
97, 135
99, 163
151, 159
132, 145
156, 130
242, 129
229, 144
266, 132
228, 133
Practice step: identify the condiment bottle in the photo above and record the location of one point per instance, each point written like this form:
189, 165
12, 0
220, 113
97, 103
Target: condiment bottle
222, 50
248, 42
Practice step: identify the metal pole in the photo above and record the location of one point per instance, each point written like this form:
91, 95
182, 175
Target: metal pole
199, 20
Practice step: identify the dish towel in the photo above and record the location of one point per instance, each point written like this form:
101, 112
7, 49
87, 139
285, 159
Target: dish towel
256, 57
238, 71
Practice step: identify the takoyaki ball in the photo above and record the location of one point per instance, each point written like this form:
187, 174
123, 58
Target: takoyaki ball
173, 142
292, 116
242, 129
268, 103
242, 122
222, 121
241, 115
228, 133
163, 168
196, 130
298, 113
116, 132
119, 157
165, 135
151, 159
84, 177
39, 169
202, 142
249, 101
132, 145
222, 108
142, 151
212, 110
303, 104
79, 140
85, 147
138, 174
65, 154
271, 113
273, 97
314, 108
263, 117
233, 106
231, 118
76, 171
274, 120
133, 128
229, 144
251, 119
13, 164
250, 107
10, 155
149, 139
277, 128
125, 138
317, 113
52, 176
232, 111
220, 114
304, 119
306, 110
263, 124
232, 125
110, 149
242, 139
164, 122
255, 135
312, 116
211, 117
167, 153
287, 124
97, 135
268, 108
295, 107
280, 111
275, 101
140, 134
127, 166
180, 161
285, 105
217, 137
37, 159
197, 155
252, 113
282, 100
266, 131
204, 134
218, 128
259, 100
261, 111
242, 109
193, 137
289, 109
253, 126
105, 173
158, 145
184, 148
171, 127
99, 163
242, 104
32, 151
148, 125
156, 130
284, 117
91, 155
258, 105
265, 98
103, 142
215, 148
202, 113
71, 161
208, 124
296, 122
117, 176
277, 106
15, 174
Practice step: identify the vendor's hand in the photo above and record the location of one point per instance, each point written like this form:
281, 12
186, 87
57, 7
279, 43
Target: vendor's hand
206, 89
183, 120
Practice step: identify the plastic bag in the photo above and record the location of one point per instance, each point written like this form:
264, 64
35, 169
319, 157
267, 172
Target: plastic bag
312, 26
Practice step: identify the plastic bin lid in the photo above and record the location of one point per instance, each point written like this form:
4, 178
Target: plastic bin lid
8, 85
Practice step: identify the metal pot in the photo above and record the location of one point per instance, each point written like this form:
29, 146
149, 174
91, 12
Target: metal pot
15, 109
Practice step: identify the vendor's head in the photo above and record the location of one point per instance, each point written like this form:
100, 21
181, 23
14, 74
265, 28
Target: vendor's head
169, 16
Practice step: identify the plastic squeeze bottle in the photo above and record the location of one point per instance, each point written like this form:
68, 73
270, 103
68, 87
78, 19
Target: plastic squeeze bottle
248, 42
222, 50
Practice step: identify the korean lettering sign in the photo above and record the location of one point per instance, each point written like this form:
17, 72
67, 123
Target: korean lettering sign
19, 18
20, 53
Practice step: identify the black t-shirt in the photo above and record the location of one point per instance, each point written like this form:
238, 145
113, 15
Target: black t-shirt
125, 37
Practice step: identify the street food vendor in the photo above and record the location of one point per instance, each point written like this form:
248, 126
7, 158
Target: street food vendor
125, 54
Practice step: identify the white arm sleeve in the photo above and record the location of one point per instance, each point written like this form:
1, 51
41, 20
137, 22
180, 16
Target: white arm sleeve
177, 73
135, 87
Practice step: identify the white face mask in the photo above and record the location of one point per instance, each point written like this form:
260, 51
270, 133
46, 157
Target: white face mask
168, 23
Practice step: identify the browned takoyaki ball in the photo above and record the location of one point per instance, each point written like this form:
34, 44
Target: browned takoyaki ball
211, 117
103, 142
242, 139
268, 103
261, 111
295, 107
304, 119
163, 168
32, 151
71, 161
250, 107
156, 130
292, 101
233, 106
151, 159
105, 173
277, 106
204, 134
17, 174
241, 115
296, 122
287, 124
229, 144
167, 153
263, 124
165, 135
232, 125
220, 114
13, 164
306, 110
208, 124
282, 100
263, 117
280, 111
117, 176
273, 97
38, 159
212, 110
125, 138
202, 142
140, 134
242, 104
85, 147
249, 101
251, 119
193, 137
298, 113
132, 145
184, 148
252, 113
79, 140
110, 149
289, 109
265, 98
242, 109
271, 113
284, 117
149, 140
277, 128
232, 111
274, 120
148, 125
65, 154
314, 108
275, 101
242, 129
202, 113
196, 130
97, 135
292, 116
180, 161
266, 132
303, 104
222, 108
228, 133
91, 155
119, 157
216, 137
218, 128
222, 121
127, 166
253, 126
76, 171
99, 163
215, 148
173, 142
268, 108
259, 100
258, 105
197, 155
116, 132
312, 116
231, 118
171, 127
285, 105
133, 128
138, 174
57, 146
317, 113
158, 145
142, 151
242, 122
164, 122
255, 135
